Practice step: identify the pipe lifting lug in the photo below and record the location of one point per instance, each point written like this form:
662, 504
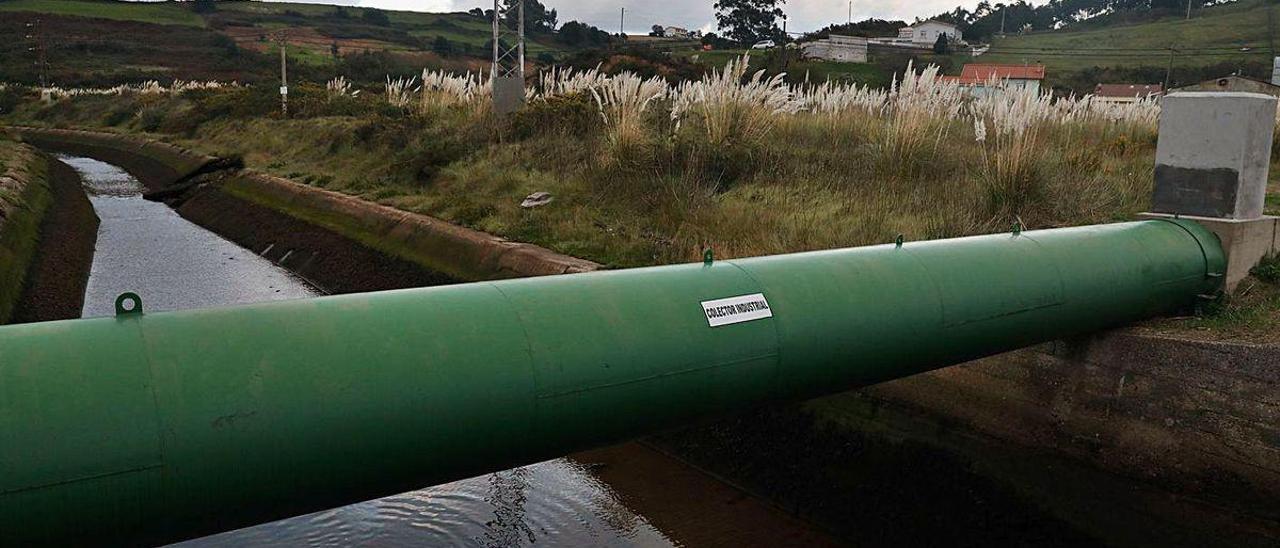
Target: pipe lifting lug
134, 302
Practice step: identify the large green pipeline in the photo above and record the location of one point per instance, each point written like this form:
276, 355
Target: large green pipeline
158, 427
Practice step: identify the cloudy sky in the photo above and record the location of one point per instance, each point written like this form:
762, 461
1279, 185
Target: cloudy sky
803, 15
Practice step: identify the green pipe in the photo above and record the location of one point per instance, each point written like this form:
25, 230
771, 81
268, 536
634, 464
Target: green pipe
160, 427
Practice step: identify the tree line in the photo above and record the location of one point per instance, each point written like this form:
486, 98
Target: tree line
988, 19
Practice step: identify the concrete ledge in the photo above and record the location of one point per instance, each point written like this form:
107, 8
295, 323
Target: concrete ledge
1245, 242
461, 253
1194, 418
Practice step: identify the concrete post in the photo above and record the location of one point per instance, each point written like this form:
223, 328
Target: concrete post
1275, 71
1212, 165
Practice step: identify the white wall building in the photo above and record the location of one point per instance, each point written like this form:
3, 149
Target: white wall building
927, 32
845, 49
676, 32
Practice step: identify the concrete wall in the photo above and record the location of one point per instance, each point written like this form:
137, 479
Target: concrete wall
829, 50
1200, 419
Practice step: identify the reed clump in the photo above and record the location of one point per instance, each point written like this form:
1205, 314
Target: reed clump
648, 172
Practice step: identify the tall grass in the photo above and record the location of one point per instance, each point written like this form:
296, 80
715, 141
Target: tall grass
649, 172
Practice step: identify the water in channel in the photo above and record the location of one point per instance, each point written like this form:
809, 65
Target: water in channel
146, 247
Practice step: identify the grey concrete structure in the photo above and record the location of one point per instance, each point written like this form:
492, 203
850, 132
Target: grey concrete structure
1212, 165
508, 94
1214, 154
1275, 72
1194, 419
845, 49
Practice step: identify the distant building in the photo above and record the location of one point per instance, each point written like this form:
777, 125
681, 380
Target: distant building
1235, 83
1126, 93
978, 78
845, 49
927, 32
677, 32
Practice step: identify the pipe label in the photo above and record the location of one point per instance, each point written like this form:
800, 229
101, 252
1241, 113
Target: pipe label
736, 310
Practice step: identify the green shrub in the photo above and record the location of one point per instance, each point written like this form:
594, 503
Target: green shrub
1268, 270
572, 115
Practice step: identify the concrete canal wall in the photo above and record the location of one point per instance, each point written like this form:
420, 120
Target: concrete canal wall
338, 242
1198, 419
47, 232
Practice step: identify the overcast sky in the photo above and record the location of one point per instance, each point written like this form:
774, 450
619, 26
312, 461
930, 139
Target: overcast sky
803, 15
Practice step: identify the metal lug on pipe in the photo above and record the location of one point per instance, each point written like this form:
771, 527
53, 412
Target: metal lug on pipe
1017, 227
898, 242
708, 257
134, 301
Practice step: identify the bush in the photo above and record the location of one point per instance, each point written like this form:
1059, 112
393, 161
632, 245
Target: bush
375, 17
244, 102
442, 46
373, 67
10, 98
1268, 270
572, 115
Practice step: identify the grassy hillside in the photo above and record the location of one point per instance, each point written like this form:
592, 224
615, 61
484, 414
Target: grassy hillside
1213, 37
104, 42
163, 13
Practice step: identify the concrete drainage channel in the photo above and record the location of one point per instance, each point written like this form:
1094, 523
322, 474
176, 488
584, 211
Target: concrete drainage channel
339, 243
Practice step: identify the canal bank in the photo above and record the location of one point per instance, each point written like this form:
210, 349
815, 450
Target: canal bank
340, 243
1093, 405
47, 233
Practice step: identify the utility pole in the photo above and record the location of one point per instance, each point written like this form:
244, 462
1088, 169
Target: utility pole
622, 23
1003, 9
283, 39
1188, 10
1168, 73
850, 12
36, 34
783, 44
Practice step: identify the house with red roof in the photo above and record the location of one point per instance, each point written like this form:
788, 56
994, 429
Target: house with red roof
979, 77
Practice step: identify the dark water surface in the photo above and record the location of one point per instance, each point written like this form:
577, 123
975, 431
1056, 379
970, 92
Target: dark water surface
147, 248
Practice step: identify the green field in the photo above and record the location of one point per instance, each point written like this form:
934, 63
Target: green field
797, 70
166, 13
1210, 37
460, 28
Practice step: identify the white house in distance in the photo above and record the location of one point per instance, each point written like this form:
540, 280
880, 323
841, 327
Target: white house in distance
927, 32
677, 32
845, 49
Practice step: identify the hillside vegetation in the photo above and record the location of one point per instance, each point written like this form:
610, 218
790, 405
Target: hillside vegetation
165, 13
107, 42
1212, 38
